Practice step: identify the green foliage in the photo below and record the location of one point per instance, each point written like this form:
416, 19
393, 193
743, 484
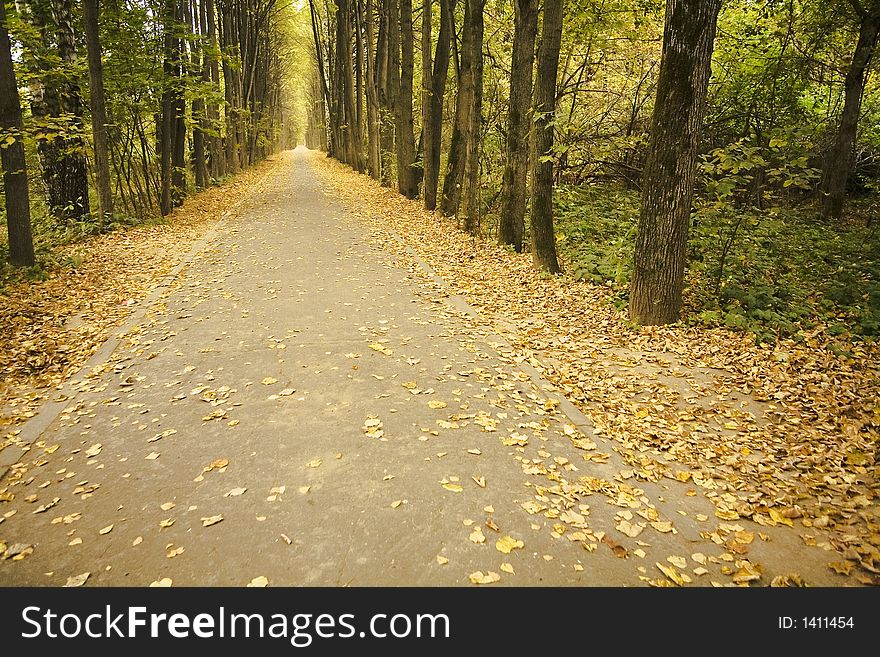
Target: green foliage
780, 273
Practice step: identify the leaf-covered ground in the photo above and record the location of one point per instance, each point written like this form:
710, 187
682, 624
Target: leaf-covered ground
49, 329
781, 435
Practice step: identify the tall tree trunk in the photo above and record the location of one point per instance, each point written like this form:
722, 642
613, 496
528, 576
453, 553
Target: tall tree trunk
839, 160
475, 140
56, 98
99, 114
668, 176
200, 119
407, 176
432, 107
166, 139
460, 144
15, 181
386, 90
216, 155
373, 163
543, 235
513, 183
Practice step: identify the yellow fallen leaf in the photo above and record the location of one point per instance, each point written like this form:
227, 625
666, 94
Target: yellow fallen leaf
258, 582
269, 381
106, 530
442, 560
166, 523
314, 463
79, 580
781, 519
455, 488
479, 578
396, 503
434, 403
508, 543
76, 541
477, 535
479, 481
163, 583
662, 526
212, 520
507, 568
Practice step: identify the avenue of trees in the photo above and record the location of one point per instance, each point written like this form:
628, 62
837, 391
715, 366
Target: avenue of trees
481, 108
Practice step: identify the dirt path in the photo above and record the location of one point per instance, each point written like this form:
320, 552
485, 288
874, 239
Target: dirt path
303, 407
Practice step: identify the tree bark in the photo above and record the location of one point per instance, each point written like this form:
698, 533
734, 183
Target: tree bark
514, 180
432, 108
407, 176
12, 158
461, 145
216, 155
668, 177
543, 235
200, 119
373, 162
475, 138
56, 97
99, 114
839, 160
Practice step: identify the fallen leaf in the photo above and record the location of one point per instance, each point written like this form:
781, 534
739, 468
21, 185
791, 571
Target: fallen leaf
442, 560
455, 488
167, 506
76, 541
507, 568
396, 503
152, 456
258, 582
163, 583
212, 520
479, 578
507, 543
94, 450
79, 580
479, 481
269, 381
106, 530
166, 523
477, 536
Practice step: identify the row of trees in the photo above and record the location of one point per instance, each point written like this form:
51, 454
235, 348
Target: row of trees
180, 94
790, 78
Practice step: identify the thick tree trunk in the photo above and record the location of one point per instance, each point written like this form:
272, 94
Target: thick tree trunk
373, 162
99, 114
386, 90
839, 160
407, 176
514, 180
475, 138
668, 177
200, 119
432, 108
15, 181
460, 144
543, 235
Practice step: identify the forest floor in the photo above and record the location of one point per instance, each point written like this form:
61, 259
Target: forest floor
336, 387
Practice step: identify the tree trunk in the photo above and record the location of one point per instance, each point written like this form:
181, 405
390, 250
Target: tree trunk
475, 141
200, 119
543, 235
513, 183
384, 86
668, 176
373, 163
99, 114
166, 140
839, 160
460, 142
15, 181
216, 156
407, 176
432, 108
56, 98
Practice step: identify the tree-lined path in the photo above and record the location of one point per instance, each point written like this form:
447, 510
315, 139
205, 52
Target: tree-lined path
302, 405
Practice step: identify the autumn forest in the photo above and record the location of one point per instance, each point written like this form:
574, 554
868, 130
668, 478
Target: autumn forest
669, 211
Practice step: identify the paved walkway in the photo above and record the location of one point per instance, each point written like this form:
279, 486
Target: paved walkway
299, 407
